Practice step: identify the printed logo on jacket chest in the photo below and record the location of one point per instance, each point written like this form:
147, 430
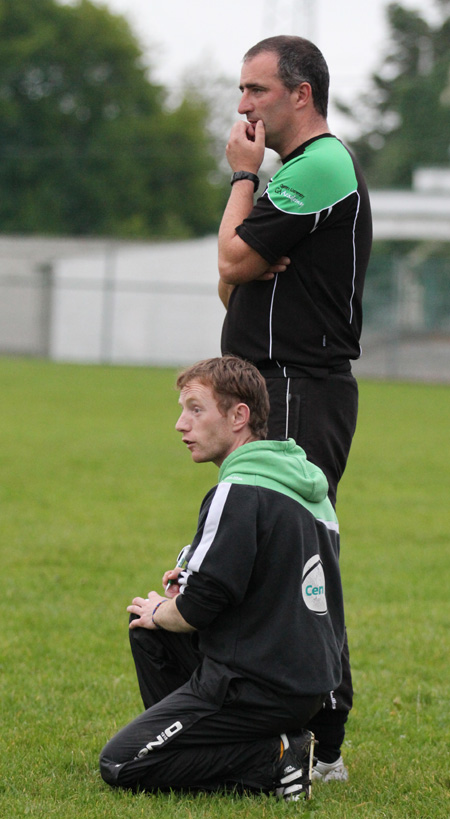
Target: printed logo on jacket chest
313, 586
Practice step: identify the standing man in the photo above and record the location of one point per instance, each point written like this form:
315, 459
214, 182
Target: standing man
235, 658
292, 270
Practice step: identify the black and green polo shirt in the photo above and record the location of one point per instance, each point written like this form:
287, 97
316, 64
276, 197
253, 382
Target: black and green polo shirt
315, 210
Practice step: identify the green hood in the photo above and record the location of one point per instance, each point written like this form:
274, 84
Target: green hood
283, 467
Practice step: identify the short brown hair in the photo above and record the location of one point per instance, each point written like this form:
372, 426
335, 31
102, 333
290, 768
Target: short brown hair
233, 379
299, 60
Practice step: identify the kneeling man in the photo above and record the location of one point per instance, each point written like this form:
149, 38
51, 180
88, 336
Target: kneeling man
238, 654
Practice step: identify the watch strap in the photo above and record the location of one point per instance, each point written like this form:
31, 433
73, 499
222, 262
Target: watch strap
245, 175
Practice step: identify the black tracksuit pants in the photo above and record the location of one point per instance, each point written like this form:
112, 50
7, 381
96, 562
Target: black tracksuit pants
320, 414
205, 727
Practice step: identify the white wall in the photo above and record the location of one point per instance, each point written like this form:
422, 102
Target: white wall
139, 304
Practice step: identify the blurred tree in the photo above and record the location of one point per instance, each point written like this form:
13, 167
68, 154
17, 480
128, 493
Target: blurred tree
87, 145
404, 119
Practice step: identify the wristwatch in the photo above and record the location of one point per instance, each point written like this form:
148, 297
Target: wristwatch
245, 175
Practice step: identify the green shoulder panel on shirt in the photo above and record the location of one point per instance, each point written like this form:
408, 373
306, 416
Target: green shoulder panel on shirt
316, 180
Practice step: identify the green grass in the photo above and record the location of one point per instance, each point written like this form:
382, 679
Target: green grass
97, 495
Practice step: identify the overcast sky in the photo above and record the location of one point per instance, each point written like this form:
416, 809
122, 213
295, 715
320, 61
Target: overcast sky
179, 34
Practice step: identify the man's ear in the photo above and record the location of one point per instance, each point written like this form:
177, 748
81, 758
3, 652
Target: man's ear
303, 94
241, 416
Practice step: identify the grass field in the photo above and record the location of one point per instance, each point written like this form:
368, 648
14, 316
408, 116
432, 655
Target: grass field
97, 495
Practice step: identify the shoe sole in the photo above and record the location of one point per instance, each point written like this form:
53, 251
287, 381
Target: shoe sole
291, 793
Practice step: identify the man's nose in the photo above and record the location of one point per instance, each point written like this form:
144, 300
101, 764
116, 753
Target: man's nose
245, 105
180, 425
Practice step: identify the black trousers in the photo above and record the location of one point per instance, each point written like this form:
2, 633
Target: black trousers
215, 729
320, 414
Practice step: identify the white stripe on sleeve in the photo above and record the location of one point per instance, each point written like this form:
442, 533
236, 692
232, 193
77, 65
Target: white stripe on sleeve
334, 527
211, 525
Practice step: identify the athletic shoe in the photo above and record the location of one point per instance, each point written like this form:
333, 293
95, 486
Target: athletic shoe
329, 771
295, 767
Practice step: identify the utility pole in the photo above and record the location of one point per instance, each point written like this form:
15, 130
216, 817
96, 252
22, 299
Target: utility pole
290, 17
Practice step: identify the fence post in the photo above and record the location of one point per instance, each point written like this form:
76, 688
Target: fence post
108, 305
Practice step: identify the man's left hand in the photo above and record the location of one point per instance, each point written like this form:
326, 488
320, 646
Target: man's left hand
144, 608
246, 146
